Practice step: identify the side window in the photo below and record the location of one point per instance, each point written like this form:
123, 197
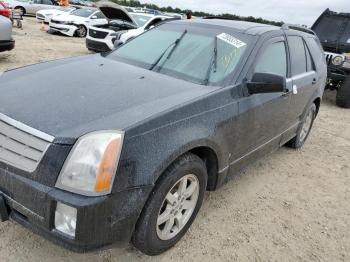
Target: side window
273, 60
297, 55
310, 65
47, 2
99, 15
37, 2
316, 51
153, 23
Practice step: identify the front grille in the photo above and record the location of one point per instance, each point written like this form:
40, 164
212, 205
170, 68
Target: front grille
96, 46
21, 146
97, 34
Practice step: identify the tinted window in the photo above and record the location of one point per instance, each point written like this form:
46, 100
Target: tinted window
297, 55
273, 60
47, 2
99, 15
141, 20
310, 66
316, 50
83, 12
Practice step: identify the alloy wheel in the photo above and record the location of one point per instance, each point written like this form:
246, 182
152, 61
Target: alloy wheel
177, 207
305, 129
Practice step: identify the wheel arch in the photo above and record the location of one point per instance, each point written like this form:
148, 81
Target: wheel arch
205, 150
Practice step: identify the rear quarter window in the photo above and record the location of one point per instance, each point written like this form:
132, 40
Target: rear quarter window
316, 51
297, 55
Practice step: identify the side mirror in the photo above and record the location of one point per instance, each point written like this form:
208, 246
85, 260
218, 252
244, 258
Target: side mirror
266, 83
94, 17
117, 43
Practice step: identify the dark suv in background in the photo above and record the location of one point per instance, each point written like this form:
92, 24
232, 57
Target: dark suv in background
125, 149
333, 30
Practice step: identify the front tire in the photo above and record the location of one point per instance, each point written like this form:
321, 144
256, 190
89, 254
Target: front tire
343, 94
172, 206
81, 31
305, 128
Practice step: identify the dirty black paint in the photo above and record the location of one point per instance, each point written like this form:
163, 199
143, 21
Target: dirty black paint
162, 118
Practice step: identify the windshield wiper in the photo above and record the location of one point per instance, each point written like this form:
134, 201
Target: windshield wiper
174, 45
213, 62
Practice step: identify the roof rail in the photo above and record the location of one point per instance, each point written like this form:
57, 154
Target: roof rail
298, 28
218, 17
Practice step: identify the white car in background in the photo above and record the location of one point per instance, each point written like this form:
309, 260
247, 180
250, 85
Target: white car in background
77, 22
46, 15
102, 38
30, 7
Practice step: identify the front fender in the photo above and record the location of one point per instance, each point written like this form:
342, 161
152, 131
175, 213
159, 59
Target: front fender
145, 157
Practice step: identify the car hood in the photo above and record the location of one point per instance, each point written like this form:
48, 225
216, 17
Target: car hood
68, 17
114, 11
70, 97
333, 30
50, 11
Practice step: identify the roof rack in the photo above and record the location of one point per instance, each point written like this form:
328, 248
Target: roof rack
298, 28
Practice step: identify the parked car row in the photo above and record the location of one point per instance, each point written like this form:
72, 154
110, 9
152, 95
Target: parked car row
46, 14
105, 26
121, 27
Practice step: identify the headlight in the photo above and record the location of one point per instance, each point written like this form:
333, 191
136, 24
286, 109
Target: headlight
68, 23
91, 165
337, 60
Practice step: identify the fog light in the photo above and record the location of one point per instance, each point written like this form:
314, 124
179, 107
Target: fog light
66, 219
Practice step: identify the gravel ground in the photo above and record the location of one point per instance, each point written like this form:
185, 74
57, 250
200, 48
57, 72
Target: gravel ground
290, 206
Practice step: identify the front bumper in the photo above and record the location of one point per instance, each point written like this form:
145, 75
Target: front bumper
97, 46
101, 221
7, 45
68, 30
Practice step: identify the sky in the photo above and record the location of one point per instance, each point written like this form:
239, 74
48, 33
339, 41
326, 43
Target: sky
289, 11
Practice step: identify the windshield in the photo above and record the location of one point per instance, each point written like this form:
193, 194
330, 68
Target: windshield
141, 20
83, 12
193, 59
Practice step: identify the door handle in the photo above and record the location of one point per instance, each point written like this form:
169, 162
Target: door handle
314, 81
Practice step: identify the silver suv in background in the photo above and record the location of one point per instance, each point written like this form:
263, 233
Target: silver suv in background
6, 41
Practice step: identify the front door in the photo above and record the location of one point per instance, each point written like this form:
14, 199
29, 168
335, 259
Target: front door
264, 117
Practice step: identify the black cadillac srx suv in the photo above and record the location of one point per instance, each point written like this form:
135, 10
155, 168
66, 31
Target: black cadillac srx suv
120, 147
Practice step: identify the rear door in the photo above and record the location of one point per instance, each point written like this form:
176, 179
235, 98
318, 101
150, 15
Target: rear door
304, 76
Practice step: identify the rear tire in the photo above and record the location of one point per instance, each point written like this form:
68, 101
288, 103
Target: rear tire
343, 94
165, 219
305, 128
22, 9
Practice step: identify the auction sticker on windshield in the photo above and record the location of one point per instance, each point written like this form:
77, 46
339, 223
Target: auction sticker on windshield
231, 40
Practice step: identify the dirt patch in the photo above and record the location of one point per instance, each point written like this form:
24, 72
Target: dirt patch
290, 206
